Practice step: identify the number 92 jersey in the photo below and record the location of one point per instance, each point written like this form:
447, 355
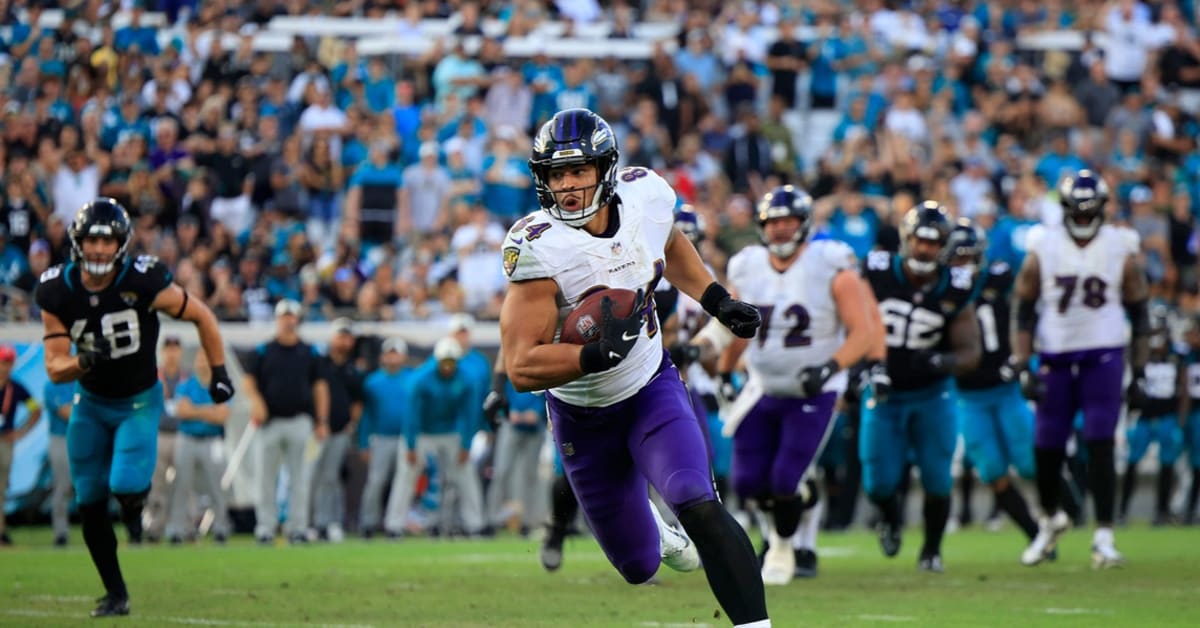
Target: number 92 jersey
915, 319
121, 312
540, 246
800, 323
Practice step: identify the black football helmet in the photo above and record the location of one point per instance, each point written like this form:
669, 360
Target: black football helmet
574, 136
782, 202
927, 221
1083, 196
965, 246
691, 224
102, 218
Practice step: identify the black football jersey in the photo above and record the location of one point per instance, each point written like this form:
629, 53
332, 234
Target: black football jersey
121, 312
1162, 386
993, 289
915, 319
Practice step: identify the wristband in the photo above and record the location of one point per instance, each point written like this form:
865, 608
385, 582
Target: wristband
713, 295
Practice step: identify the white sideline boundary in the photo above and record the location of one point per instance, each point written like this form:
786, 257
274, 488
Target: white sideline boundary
183, 621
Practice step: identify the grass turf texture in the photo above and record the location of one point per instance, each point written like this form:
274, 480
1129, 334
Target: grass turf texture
419, 582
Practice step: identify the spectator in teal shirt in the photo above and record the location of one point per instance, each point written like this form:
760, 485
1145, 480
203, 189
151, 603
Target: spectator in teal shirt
507, 181
201, 424
474, 364
386, 419
1058, 161
135, 34
59, 399
380, 88
545, 79
444, 404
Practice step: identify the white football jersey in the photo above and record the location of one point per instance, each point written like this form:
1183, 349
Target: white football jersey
540, 246
1193, 380
1081, 288
691, 318
800, 322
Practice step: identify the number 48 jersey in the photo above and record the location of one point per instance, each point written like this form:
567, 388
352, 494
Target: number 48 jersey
993, 289
916, 319
800, 324
121, 313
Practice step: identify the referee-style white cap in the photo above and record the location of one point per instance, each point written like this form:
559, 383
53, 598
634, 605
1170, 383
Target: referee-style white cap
461, 321
287, 306
447, 349
395, 344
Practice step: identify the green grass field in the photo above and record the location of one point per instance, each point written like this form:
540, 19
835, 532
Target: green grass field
419, 582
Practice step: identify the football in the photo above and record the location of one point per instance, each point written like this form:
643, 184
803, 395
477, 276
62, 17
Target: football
582, 325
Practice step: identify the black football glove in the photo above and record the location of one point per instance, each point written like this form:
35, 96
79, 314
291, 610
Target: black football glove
1032, 386
813, 378
617, 336
740, 317
495, 404
727, 390
1136, 396
933, 361
879, 382
221, 387
99, 352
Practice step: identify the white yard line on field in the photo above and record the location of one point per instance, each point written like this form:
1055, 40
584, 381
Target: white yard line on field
897, 618
184, 621
672, 625
1078, 611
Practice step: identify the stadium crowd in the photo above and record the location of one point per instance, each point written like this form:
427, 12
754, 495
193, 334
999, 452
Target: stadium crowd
380, 187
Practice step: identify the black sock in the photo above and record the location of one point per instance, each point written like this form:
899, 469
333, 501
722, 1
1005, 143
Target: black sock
1128, 483
1012, 503
1166, 482
787, 513
729, 561
1102, 479
102, 544
131, 512
889, 511
966, 486
936, 513
563, 505
1049, 478
1070, 505
1193, 493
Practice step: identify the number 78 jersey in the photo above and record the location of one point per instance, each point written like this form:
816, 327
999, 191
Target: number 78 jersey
800, 324
916, 319
1081, 288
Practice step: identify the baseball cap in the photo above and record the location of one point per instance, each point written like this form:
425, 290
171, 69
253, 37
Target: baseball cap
447, 349
461, 321
395, 344
172, 340
287, 306
343, 325
454, 145
428, 149
1140, 194
7, 354
39, 246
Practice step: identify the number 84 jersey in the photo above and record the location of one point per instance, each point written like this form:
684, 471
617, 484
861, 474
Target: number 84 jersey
800, 324
121, 313
916, 320
1081, 288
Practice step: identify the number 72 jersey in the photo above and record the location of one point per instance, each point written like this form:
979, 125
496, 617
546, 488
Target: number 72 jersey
1081, 288
916, 320
121, 312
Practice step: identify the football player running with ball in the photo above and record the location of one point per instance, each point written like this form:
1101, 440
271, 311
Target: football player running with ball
618, 409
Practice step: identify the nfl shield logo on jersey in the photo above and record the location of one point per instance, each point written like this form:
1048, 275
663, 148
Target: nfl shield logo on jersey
511, 254
616, 248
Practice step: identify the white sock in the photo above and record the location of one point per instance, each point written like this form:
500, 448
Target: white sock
1103, 536
810, 524
762, 623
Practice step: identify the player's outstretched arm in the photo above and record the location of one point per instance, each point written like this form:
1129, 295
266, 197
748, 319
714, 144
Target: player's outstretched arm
61, 366
965, 345
528, 320
854, 308
1027, 289
686, 271
1135, 294
175, 301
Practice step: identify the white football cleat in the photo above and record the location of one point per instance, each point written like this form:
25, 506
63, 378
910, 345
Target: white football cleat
1104, 550
779, 564
335, 533
1043, 545
677, 550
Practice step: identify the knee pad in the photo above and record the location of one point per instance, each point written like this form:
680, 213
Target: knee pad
686, 487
